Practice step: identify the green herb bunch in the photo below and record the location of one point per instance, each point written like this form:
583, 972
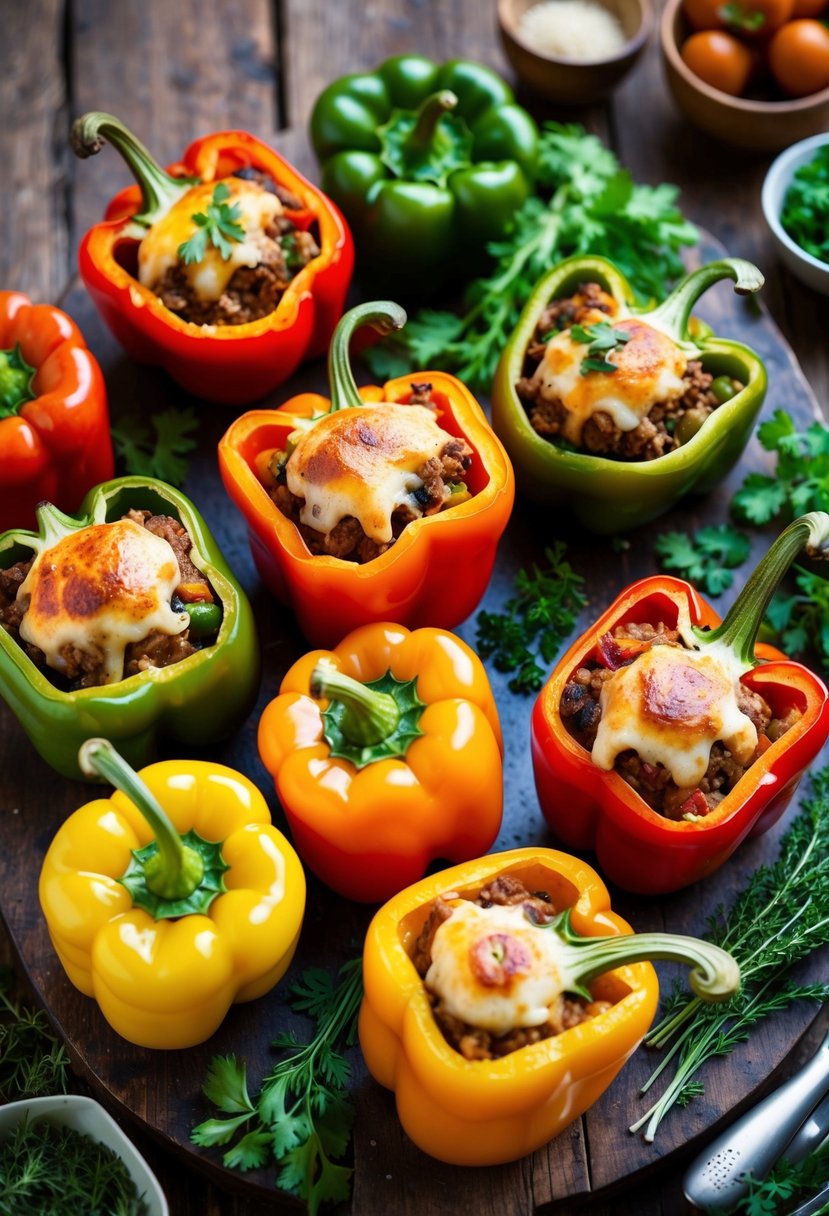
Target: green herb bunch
785, 1187
33, 1062
589, 205
535, 622
164, 453
780, 917
805, 213
707, 558
801, 479
302, 1116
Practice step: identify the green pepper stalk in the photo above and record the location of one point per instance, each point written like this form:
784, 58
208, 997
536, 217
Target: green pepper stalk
382, 315
173, 875
159, 189
715, 974
738, 632
673, 314
16, 379
367, 722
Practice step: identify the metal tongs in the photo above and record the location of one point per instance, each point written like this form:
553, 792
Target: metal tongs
791, 1122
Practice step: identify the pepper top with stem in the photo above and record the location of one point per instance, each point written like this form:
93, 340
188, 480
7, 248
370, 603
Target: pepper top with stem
159, 189
16, 378
174, 875
382, 315
673, 314
367, 722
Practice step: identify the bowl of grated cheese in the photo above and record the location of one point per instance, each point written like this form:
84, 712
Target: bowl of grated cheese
574, 51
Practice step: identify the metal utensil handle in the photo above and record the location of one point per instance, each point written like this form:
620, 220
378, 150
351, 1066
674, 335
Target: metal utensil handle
752, 1144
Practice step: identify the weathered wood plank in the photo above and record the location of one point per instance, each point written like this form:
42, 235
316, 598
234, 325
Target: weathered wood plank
33, 252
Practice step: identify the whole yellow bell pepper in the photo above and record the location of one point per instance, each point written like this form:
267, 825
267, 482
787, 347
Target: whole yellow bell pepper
481, 1112
168, 916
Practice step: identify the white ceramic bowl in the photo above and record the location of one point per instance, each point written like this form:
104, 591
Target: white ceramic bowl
808, 269
87, 1116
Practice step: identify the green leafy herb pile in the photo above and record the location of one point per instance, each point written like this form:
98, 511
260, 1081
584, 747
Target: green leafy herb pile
46, 1168
536, 620
805, 214
780, 917
801, 480
32, 1060
302, 1116
707, 558
591, 205
162, 453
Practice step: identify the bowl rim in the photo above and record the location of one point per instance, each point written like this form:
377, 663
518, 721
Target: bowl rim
745, 105
632, 45
782, 169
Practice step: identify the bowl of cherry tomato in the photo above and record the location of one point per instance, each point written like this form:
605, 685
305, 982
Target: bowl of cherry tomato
751, 72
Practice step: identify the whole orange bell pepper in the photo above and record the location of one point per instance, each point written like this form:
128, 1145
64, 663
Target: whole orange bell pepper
485, 1111
399, 765
437, 570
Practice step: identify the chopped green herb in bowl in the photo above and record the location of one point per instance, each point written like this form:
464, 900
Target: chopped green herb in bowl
795, 203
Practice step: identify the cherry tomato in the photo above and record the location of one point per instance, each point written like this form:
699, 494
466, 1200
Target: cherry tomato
808, 8
799, 57
719, 59
703, 14
755, 18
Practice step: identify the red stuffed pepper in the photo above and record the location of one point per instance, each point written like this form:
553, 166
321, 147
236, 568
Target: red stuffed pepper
227, 271
661, 741
54, 421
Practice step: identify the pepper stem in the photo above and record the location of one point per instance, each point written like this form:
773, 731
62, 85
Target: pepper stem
715, 974
175, 870
419, 140
738, 632
382, 315
672, 315
16, 378
159, 190
53, 525
368, 716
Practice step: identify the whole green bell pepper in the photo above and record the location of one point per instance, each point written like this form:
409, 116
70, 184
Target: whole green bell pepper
196, 701
428, 162
607, 495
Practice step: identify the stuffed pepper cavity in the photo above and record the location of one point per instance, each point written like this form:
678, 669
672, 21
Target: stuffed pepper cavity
617, 411
382, 503
386, 755
172, 899
124, 618
502, 997
661, 741
54, 420
227, 271
429, 163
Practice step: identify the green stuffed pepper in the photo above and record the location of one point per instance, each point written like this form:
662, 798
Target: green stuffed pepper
123, 622
428, 162
615, 412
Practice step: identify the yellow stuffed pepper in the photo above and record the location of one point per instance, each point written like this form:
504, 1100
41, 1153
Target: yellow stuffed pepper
502, 996
172, 899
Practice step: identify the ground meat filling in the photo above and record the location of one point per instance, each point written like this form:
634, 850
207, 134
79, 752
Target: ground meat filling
347, 540
667, 425
472, 1042
252, 292
84, 669
581, 713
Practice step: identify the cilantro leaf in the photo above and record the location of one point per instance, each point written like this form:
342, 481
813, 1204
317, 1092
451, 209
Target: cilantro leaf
162, 455
219, 225
226, 1085
705, 559
801, 480
800, 622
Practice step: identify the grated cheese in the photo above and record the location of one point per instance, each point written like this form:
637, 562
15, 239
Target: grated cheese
572, 29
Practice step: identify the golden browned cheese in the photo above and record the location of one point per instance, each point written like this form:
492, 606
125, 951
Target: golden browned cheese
649, 369
97, 590
363, 462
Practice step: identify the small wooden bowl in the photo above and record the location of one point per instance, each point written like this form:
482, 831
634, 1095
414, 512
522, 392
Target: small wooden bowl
577, 82
766, 125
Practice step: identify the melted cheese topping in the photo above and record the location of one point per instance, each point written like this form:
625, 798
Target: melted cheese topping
99, 589
650, 370
494, 969
671, 705
363, 462
159, 249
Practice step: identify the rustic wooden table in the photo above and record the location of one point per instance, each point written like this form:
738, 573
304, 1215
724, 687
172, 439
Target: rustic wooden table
177, 69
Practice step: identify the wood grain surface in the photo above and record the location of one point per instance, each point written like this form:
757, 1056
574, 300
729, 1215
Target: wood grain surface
176, 70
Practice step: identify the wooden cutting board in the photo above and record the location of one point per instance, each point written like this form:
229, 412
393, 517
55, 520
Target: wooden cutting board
162, 1090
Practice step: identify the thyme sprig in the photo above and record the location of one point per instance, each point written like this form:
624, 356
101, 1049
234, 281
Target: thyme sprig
780, 917
33, 1061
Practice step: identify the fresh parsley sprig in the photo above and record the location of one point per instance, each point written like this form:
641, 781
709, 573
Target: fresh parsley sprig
801, 621
588, 204
805, 213
780, 917
164, 454
786, 1186
707, 558
218, 225
302, 1116
599, 339
801, 480
535, 621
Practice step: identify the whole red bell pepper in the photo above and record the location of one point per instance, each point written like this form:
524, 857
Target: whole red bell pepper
54, 421
232, 364
436, 571
590, 808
